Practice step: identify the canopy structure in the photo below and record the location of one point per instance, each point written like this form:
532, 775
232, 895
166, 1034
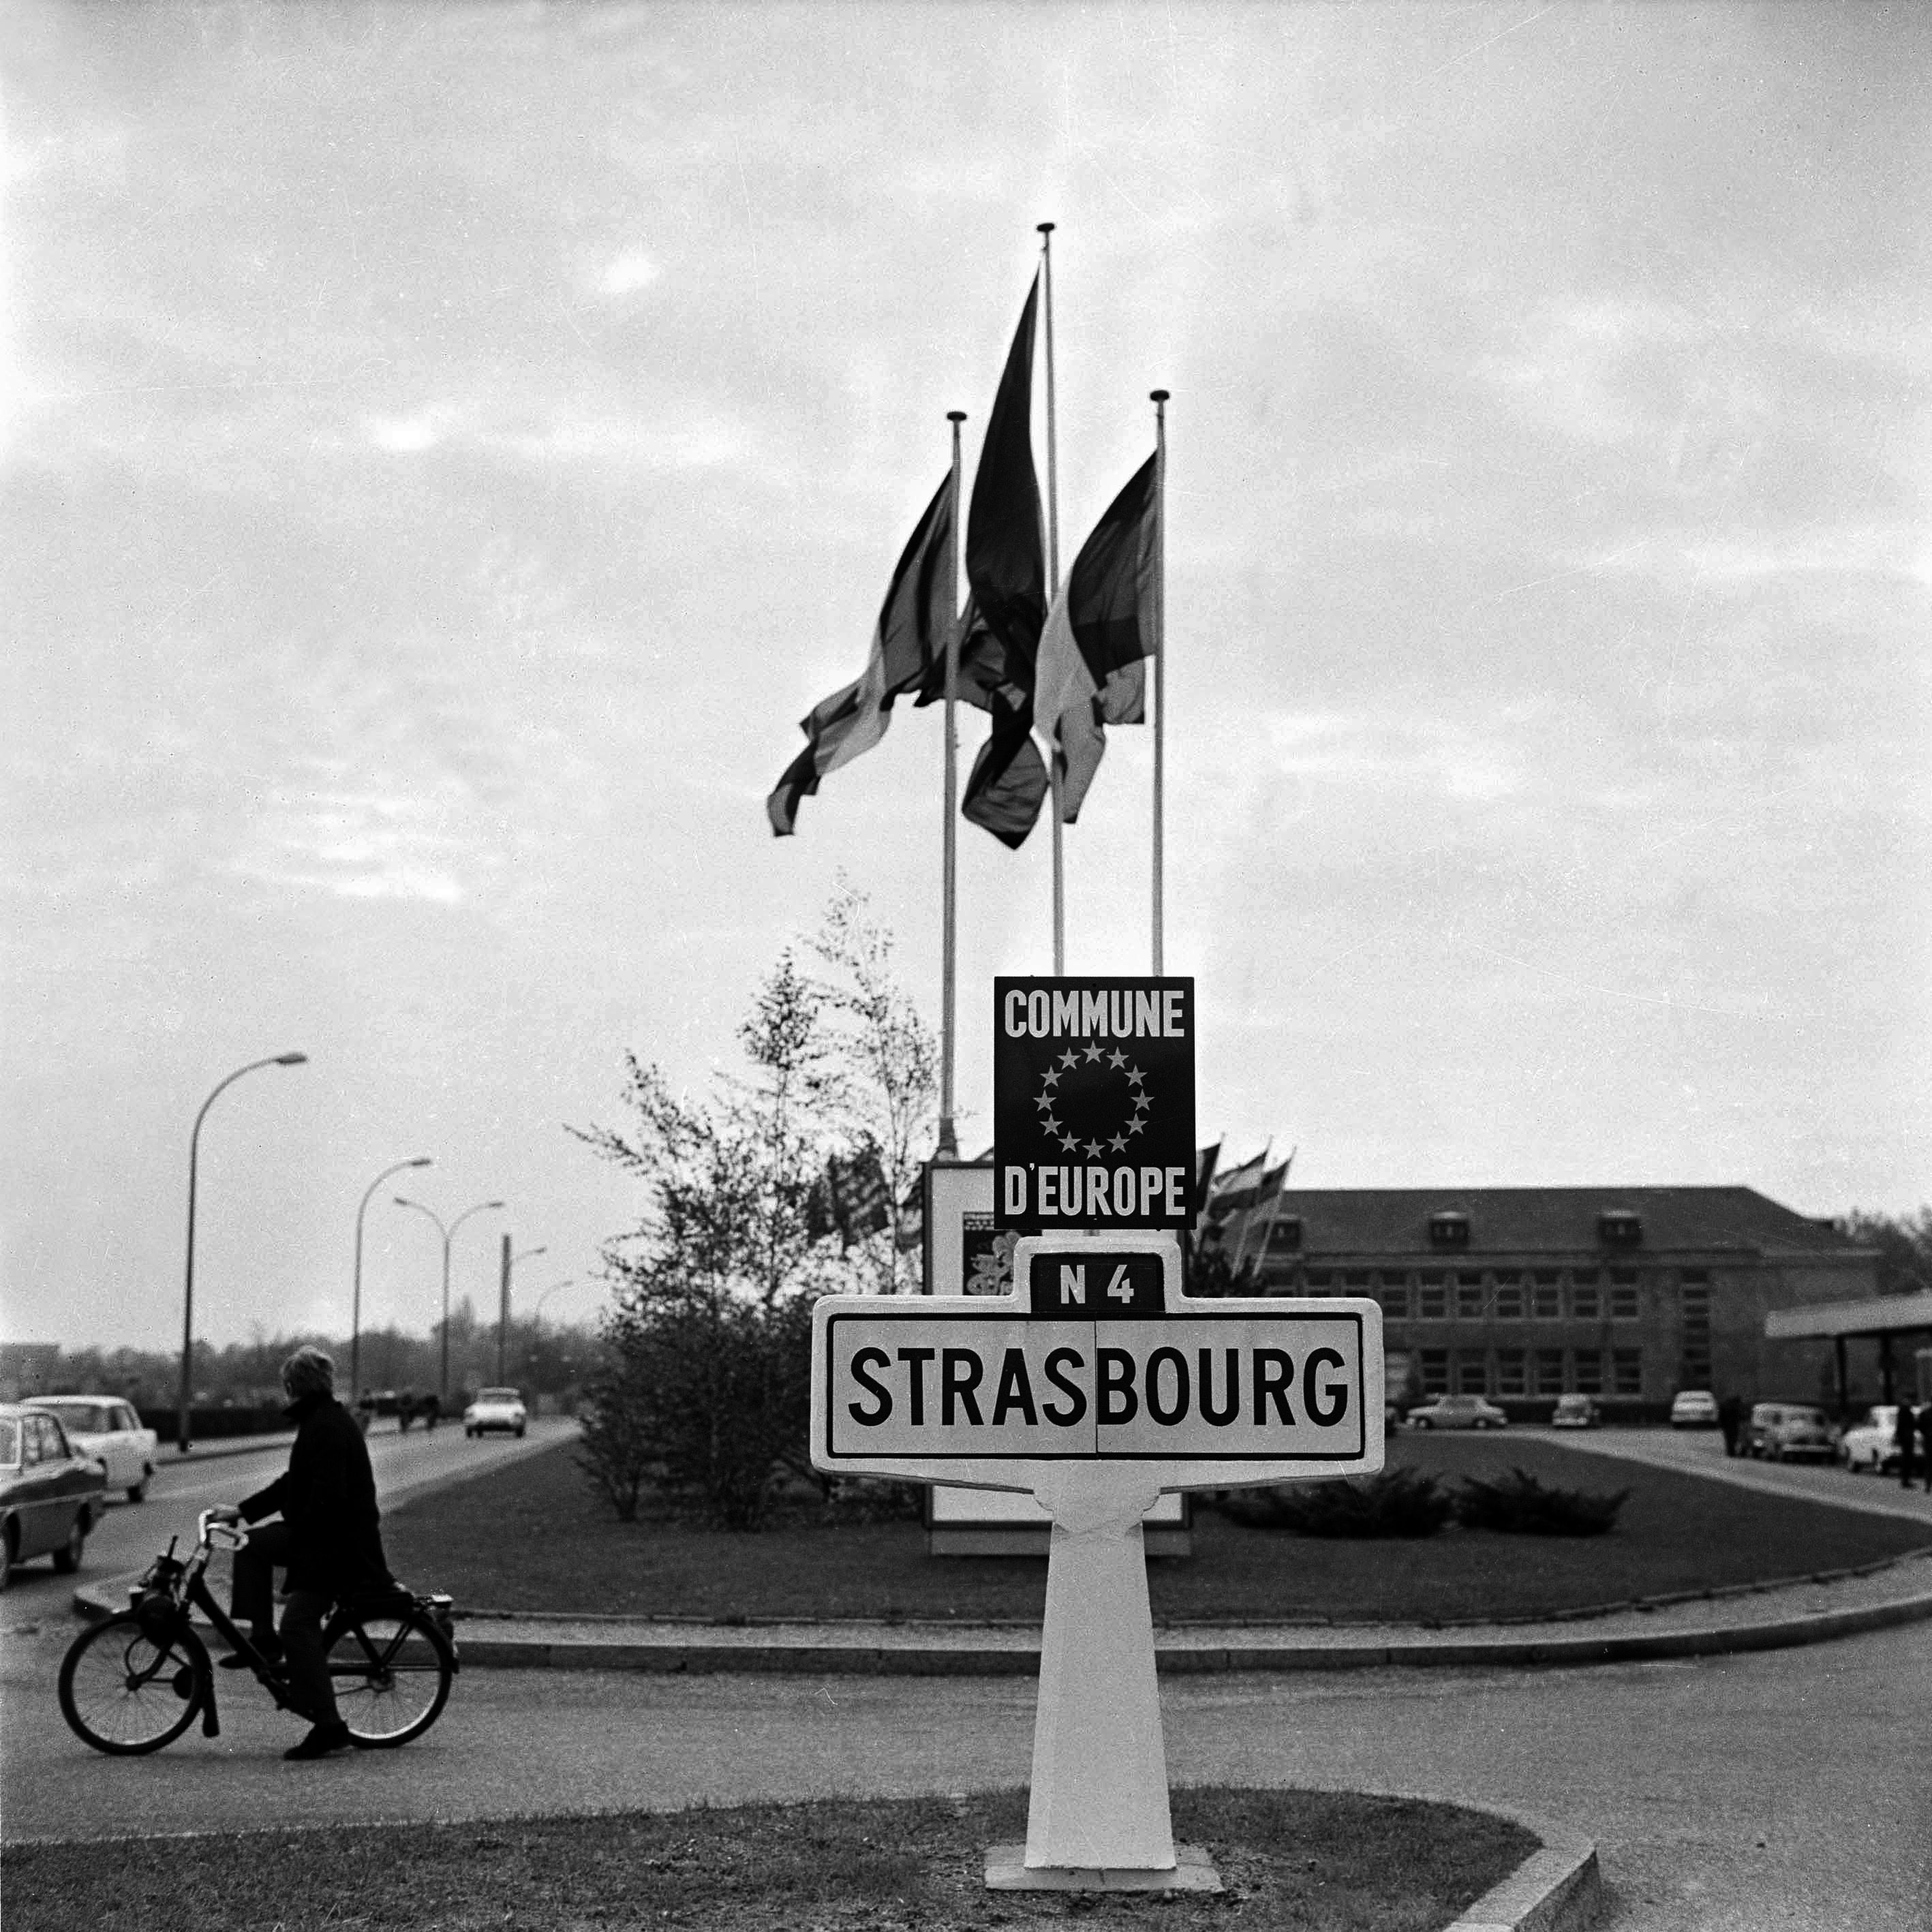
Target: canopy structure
1840, 1322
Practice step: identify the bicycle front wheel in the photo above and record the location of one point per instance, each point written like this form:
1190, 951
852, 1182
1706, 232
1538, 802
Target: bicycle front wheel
124, 1693
392, 1675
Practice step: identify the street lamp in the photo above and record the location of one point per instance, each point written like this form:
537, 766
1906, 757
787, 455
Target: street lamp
181, 1437
536, 1313
355, 1311
481, 1206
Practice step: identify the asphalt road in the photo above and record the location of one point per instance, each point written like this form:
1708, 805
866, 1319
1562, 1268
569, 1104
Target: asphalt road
133, 1533
1730, 1795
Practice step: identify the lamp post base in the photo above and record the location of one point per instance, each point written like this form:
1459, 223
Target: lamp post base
1007, 1870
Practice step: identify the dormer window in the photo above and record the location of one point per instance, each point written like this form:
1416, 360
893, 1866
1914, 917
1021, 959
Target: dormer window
1449, 1228
1620, 1228
1285, 1235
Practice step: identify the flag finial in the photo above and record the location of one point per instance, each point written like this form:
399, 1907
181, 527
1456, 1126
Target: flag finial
1043, 227
1157, 395
955, 415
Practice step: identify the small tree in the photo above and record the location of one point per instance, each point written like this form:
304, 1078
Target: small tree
707, 1390
885, 1067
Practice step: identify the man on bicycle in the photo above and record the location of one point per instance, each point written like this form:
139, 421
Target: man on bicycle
328, 1538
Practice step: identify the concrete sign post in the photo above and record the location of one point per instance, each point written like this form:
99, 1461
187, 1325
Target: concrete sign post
1097, 1385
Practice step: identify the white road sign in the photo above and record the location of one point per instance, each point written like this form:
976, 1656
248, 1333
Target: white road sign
1096, 1356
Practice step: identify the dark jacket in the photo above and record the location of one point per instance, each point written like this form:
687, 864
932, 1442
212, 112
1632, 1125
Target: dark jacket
327, 1497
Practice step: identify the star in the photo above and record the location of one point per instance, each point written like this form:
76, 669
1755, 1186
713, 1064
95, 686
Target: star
1068, 1058
1117, 1058
1093, 1054
1071, 1142
1050, 1125
1118, 1143
1045, 1100
1135, 1076
1092, 1149
1136, 1125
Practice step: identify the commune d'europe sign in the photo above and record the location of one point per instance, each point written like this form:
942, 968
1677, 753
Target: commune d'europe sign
1093, 1102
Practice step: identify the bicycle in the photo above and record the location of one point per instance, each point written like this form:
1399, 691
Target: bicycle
137, 1680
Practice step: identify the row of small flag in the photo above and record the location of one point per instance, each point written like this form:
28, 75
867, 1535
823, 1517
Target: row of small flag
1069, 671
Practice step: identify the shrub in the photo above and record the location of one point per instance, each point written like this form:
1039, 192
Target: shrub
1519, 1505
868, 1499
1398, 1502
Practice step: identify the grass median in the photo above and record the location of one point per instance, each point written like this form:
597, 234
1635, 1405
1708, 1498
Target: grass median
1315, 1861
531, 1535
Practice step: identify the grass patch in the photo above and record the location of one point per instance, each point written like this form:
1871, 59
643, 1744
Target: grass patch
1316, 1861
528, 1535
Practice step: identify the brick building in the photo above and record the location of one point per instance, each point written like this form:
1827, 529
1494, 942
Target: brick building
1523, 1293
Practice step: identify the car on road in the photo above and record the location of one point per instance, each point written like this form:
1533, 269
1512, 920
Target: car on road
50, 1495
106, 1426
1788, 1432
1872, 1443
1457, 1412
495, 1408
1693, 1408
1577, 1411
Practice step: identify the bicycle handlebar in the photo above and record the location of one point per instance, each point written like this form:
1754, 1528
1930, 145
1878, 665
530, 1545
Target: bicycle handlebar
219, 1532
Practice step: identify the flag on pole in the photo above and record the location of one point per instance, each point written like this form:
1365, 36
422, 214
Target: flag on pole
911, 634
1005, 570
1092, 667
1267, 1196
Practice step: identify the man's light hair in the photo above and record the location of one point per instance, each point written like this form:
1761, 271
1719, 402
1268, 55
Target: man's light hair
309, 1371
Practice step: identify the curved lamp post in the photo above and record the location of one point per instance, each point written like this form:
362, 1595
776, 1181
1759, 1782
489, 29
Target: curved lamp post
447, 1233
355, 1309
181, 1435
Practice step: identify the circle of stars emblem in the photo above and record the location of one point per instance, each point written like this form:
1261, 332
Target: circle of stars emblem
1073, 1068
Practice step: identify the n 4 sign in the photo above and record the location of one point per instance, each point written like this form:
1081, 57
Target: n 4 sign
1096, 1356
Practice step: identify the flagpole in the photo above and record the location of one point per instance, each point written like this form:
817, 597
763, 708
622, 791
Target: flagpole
1158, 398
949, 1139
1045, 229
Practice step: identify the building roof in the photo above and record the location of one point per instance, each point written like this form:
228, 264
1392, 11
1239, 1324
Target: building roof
1543, 1220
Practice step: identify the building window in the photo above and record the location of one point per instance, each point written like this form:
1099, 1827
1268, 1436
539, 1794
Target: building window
1627, 1372
1510, 1372
1509, 1297
1284, 1235
1435, 1371
1623, 1295
1469, 1297
1589, 1371
1394, 1296
1546, 1298
1357, 1280
1693, 1299
1472, 1372
1449, 1229
1318, 1278
1549, 1371
1619, 1227
1586, 1300
1432, 1299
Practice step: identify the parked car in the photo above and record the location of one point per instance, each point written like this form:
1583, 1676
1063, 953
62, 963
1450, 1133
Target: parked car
495, 1408
1457, 1412
1577, 1411
50, 1496
1693, 1408
1872, 1443
106, 1426
1785, 1432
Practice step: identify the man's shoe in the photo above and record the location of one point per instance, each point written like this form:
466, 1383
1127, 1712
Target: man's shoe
235, 1660
320, 1742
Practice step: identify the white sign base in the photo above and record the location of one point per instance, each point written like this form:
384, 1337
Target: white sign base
1098, 1817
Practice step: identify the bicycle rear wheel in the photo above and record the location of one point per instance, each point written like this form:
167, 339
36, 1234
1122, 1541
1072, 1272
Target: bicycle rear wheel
391, 1674
124, 1693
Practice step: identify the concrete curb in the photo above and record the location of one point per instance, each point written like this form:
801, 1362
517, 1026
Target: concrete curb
1558, 1888
863, 1650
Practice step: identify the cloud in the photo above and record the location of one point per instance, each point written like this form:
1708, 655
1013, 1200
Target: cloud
625, 274
362, 844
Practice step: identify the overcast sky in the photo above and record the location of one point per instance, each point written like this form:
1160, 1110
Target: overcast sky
446, 450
